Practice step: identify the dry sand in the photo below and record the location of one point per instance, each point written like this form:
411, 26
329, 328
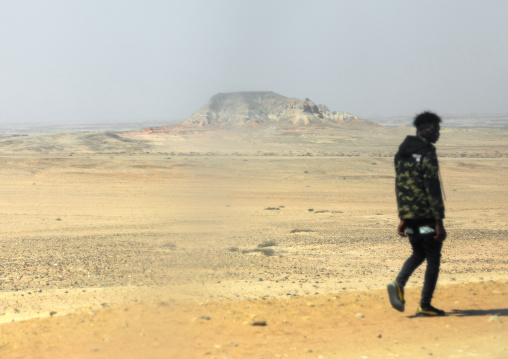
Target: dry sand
172, 243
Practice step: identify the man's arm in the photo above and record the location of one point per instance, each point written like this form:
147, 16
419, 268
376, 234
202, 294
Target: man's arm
432, 184
434, 195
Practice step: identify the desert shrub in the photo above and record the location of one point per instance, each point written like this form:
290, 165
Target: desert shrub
266, 251
301, 231
269, 243
169, 245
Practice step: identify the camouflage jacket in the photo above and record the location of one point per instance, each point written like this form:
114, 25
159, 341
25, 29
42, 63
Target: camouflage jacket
417, 184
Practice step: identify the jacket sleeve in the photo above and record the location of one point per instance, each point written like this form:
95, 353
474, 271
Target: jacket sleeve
432, 184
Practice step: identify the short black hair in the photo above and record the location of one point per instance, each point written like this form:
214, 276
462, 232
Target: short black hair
426, 118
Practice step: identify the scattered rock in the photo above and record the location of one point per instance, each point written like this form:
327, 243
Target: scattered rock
495, 318
301, 231
258, 323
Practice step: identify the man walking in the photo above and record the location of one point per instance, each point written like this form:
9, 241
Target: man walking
421, 211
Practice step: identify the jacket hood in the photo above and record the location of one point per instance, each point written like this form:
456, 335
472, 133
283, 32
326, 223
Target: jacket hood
414, 144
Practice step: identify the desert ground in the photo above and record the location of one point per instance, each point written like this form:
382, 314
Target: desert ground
265, 243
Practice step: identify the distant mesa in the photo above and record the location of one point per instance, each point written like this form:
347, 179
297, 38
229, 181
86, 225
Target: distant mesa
265, 108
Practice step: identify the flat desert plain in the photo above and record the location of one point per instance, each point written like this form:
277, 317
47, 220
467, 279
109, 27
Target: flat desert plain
266, 243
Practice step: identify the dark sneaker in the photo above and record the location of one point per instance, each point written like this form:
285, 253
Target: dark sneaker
396, 295
429, 311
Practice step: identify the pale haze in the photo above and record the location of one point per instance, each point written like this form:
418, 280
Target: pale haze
116, 61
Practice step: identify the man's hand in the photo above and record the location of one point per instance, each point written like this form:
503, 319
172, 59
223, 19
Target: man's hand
440, 232
401, 228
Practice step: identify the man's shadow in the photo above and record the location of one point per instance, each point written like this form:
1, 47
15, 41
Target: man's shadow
471, 313
478, 312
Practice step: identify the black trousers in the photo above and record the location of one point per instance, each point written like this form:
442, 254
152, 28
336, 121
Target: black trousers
425, 247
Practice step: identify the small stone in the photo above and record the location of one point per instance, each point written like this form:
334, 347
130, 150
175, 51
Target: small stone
495, 318
52, 313
205, 317
360, 315
258, 323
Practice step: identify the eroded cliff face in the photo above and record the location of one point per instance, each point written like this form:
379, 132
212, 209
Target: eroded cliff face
257, 109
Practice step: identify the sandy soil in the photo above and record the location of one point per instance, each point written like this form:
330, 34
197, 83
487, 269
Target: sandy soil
171, 243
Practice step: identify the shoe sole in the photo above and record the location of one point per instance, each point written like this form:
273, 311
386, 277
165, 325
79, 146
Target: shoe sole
394, 295
422, 313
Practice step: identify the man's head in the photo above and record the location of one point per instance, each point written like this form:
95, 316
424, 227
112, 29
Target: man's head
427, 126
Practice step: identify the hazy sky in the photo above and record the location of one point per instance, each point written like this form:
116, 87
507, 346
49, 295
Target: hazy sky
97, 61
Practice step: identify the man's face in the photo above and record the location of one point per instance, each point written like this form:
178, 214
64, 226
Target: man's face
431, 132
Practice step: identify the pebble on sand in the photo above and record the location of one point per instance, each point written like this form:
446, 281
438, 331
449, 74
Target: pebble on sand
495, 318
258, 323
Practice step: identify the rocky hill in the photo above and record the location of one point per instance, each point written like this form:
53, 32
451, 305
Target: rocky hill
265, 108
